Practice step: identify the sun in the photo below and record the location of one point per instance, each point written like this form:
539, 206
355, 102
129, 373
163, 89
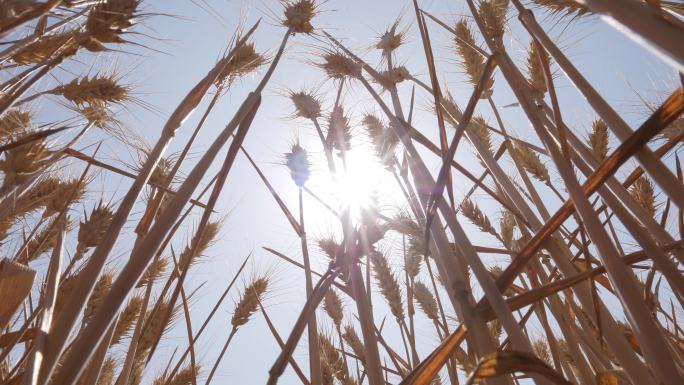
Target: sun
359, 182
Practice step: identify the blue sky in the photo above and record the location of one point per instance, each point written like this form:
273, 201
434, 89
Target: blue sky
191, 40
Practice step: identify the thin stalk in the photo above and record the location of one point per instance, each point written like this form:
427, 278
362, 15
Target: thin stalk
188, 324
312, 327
310, 306
280, 342
220, 356
206, 321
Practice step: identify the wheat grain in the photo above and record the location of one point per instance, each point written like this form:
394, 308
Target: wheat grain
478, 126
21, 162
189, 255
506, 227
184, 376
535, 70
95, 300
642, 192
99, 116
390, 78
43, 242
155, 325
153, 272
94, 227
472, 61
471, 211
352, 339
391, 39
127, 319
542, 351
107, 372
495, 330
493, 14
426, 300
298, 15
388, 284
383, 139
340, 130
339, 66
44, 48
404, 224
93, 91
109, 20
64, 194
329, 247
13, 122
412, 264
333, 306
563, 6
531, 163
27, 203
331, 361
306, 104
249, 301
598, 139
245, 60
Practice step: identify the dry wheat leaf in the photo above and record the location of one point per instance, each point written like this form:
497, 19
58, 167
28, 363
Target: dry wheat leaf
510, 361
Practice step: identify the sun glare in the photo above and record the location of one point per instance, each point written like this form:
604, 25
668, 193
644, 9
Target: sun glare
362, 183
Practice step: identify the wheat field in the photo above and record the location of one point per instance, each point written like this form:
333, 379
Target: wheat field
347, 192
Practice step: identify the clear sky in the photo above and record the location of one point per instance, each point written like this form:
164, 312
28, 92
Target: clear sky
191, 39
